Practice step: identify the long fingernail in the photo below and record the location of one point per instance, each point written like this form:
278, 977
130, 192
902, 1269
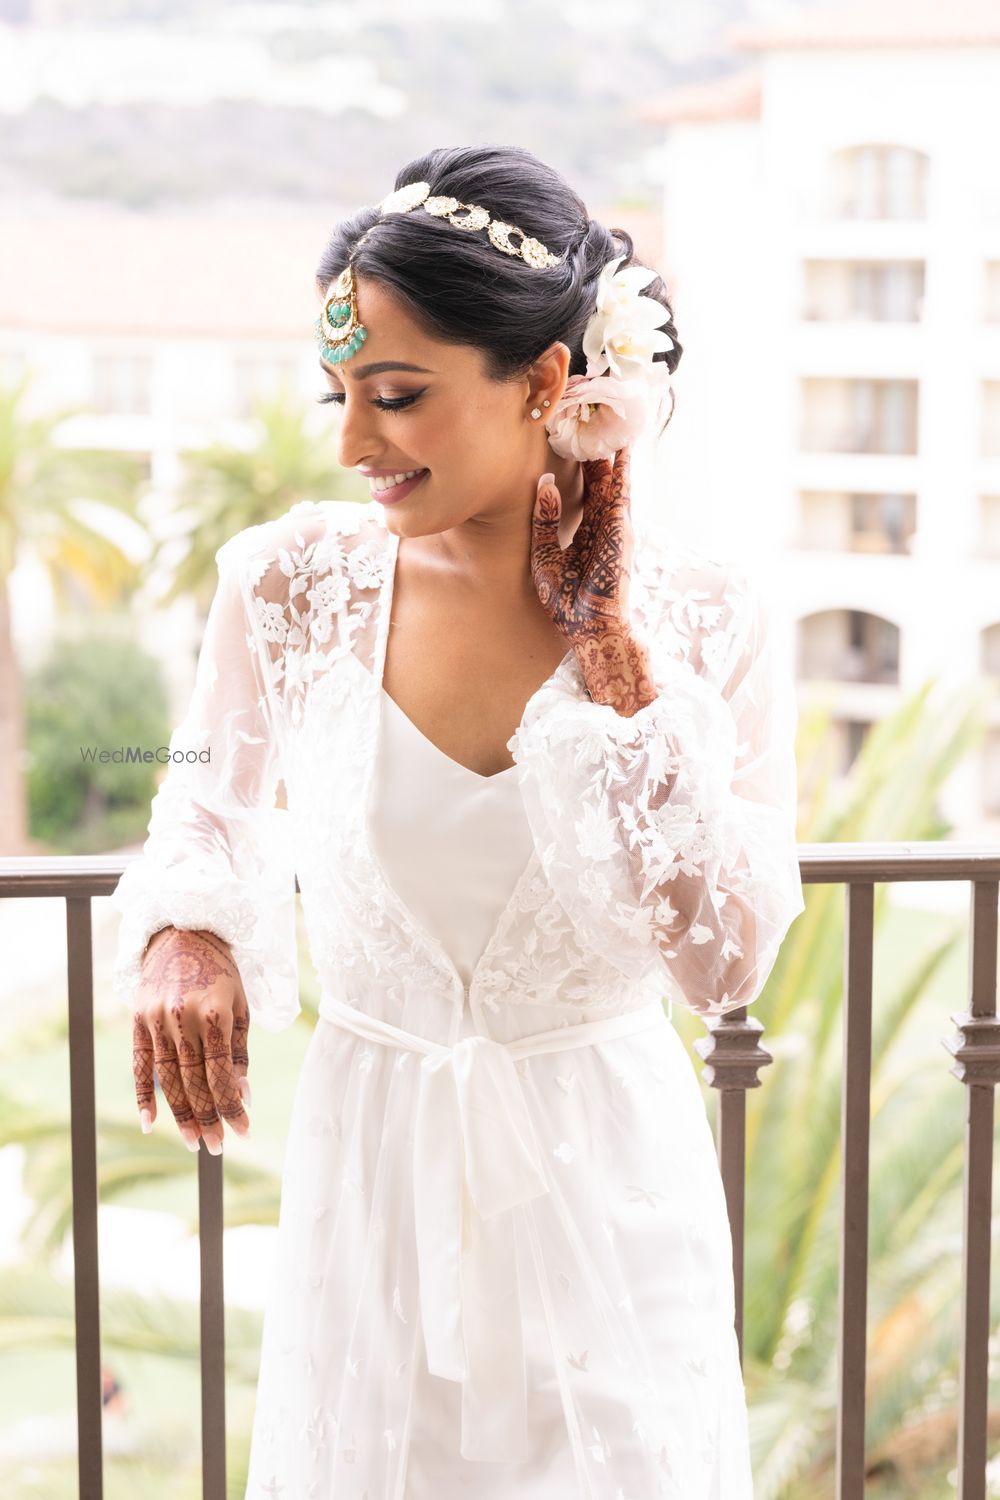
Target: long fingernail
146, 1121
214, 1146
190, 1139
244, 1086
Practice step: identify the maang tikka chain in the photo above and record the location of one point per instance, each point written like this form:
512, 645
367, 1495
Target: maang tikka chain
339, 329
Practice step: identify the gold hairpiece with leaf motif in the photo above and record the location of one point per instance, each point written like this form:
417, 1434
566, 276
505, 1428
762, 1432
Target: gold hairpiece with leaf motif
339, 329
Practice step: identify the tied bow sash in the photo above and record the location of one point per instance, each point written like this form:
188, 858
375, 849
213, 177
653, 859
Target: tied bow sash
476, 1157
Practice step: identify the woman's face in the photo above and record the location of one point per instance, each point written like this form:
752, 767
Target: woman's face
477, 439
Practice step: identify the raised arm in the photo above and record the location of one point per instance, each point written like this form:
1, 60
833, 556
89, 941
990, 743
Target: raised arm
669, 834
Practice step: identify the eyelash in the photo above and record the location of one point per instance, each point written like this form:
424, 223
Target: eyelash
397, 405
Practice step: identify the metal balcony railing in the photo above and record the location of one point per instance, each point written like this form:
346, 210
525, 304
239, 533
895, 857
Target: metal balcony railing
733, 1057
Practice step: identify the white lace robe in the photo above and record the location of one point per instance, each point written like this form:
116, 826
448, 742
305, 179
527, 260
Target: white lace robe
664, 866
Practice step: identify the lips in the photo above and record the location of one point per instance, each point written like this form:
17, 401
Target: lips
398, 491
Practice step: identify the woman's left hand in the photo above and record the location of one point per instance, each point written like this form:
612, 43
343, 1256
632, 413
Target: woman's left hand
584, 587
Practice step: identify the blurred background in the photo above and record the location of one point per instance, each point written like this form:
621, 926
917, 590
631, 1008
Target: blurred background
817, 186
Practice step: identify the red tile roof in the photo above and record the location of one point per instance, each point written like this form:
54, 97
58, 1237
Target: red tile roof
125, 273
733, 97
877, 23
206, 276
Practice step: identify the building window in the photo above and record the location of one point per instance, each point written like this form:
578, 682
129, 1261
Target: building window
880, 182
991, 290
122, 383
848, 645
863, 291
859, 416
989, 651
882, 523
989, 525
859, 521
991, 419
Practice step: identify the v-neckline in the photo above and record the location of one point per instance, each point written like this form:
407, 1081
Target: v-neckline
443, 755
379, 696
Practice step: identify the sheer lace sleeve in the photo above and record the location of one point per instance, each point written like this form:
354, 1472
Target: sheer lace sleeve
218, 853
669, 837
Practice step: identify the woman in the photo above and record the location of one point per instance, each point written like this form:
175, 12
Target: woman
539, 773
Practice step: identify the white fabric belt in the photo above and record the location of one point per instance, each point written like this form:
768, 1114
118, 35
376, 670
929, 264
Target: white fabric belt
475, 1156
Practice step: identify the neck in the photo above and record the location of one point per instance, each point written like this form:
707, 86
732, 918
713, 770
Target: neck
493, 553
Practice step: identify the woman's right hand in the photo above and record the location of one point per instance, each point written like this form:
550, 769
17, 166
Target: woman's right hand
191, 1022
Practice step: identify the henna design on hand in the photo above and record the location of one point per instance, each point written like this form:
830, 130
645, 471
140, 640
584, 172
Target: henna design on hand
168, 1071
221, 1077
241, 1029
617, 670
192, 1063
142, 1062
584, 587
180, 968
187, 1045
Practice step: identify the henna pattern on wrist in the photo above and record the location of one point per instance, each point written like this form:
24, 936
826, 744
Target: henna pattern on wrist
584, 587
617, 670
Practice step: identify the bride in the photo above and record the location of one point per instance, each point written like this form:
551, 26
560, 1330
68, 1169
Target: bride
539, 777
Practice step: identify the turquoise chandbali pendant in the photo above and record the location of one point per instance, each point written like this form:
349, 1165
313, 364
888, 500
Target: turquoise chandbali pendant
338, 328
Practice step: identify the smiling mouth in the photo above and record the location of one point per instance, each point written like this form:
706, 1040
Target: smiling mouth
386, 487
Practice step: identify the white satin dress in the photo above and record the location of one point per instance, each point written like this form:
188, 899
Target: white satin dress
453, 844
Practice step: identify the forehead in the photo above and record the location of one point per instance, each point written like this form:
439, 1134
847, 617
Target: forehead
396, 341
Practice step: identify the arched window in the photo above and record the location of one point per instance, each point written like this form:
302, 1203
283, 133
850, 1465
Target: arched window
848, 645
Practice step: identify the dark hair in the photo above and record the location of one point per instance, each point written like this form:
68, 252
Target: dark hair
473, 294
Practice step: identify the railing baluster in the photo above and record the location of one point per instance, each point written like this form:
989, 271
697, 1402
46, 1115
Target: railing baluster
976, 1048
733, 1056
855, 1113
213, 1328
83, 1142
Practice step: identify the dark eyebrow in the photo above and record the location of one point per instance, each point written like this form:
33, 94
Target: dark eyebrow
363, 371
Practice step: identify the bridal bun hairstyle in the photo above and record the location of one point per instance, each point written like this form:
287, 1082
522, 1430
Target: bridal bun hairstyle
461, 290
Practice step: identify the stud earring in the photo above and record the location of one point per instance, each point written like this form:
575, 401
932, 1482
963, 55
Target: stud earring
536, 412
546, 403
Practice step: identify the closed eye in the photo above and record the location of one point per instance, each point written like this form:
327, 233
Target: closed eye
397, 405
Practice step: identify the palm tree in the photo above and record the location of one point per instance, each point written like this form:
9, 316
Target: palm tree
51, 498
916, 1167
226, 489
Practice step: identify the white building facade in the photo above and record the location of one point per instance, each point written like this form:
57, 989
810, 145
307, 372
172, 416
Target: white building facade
832, 228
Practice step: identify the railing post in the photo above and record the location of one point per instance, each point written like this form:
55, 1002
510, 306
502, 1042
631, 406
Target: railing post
83, 1145
213, 1327
733, 1058
976, 1049
855, 1132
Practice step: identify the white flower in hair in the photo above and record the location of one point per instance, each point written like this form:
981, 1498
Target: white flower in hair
624, 333
607, 408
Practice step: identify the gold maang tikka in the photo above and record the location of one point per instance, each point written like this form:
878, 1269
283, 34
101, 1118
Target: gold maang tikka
338, 328
340, 331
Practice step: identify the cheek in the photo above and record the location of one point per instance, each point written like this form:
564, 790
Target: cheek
483, 434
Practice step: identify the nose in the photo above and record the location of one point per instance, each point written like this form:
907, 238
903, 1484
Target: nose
356, 441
